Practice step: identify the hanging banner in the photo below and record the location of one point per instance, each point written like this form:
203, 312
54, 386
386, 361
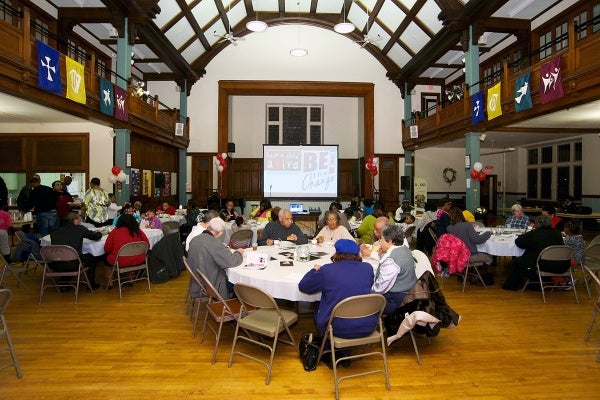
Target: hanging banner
420, 193
134, 179
147, 183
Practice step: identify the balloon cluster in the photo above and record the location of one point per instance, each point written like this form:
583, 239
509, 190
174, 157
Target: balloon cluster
477, 173
220, 161
117, 175
371, 165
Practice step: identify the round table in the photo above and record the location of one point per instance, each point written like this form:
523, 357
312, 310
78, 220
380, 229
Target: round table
96, 248
500, 245
281, 282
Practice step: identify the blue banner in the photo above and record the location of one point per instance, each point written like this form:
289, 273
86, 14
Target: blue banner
107, 97
477, 108
48, 68
523, 93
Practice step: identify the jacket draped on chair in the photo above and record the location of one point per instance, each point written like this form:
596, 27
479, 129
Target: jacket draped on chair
451, 250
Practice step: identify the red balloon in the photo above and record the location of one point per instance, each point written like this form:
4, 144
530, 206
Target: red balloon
223, 163
375, 173
482, 176
115, 170
474, 174
370, 160
219, 157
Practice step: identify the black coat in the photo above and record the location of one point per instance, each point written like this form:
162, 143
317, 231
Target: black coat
534, 242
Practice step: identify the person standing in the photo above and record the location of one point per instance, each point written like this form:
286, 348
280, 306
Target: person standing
42, 200
63, 200
23, 197
96, 201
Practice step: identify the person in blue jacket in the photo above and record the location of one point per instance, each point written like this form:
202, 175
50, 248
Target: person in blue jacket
346, 276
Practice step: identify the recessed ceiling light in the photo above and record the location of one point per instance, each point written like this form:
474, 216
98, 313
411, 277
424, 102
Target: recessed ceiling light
256, 25
344, 27
298, 52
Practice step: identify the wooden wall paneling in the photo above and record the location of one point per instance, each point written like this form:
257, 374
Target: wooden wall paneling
202, 177
347, 179
13, 153
388, 180
245, 178
68, 152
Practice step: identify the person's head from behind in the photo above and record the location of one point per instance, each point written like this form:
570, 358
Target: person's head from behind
216, 226
128, 221
191, 204
392, 235
517, 210
346, 249
210, 214
542, 221
572, 227
286, 218
548, 210
456, 215
34, 181
368, 202
335, 206
72, 218
446, 203
275, 213
378, 211
95, 182
430, 206
380, 224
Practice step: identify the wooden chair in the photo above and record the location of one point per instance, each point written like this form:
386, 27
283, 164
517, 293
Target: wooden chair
195, 301
352, 308
61, 253
267, 320
5, 295
554, 253
132, 273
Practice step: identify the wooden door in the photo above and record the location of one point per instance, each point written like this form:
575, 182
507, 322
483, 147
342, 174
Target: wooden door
389, 178
202, 177
489, 193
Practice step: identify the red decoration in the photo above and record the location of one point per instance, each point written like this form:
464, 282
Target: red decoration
474, 174
115, 170
481, 176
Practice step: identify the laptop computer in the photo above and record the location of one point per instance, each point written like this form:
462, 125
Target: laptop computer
297, 208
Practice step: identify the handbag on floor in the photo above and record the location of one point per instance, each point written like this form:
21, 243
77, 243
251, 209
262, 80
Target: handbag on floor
309, 350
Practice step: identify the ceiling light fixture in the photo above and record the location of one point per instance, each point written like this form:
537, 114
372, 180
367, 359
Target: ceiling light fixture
298, 51
344, 26
256, 25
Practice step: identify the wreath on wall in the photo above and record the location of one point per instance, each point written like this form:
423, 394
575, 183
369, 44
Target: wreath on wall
449, 175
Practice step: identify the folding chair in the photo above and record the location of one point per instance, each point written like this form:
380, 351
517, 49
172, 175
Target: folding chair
352, 308
596, 279
554, 253
16, 269
219, 309
5, 295
241, 239
128, 250
267, 320
474, 267
62, 253
170, 227
194, 301
34, 256
591, 260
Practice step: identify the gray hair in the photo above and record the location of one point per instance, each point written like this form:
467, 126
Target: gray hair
335, 214
543, 221
394, 234
216, 225
516, 207
282, 212
210, 214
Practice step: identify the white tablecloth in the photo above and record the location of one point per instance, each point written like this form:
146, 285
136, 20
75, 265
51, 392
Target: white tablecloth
96, 248
280, 282
501, 245
178, 218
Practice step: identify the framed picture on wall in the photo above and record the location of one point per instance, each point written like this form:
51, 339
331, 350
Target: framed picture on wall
135, 182
147, 183
173, 183
159, 183
166, 191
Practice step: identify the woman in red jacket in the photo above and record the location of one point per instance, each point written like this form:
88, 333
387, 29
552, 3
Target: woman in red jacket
126, 231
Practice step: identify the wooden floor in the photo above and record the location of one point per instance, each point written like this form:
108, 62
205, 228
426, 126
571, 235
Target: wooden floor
508, 346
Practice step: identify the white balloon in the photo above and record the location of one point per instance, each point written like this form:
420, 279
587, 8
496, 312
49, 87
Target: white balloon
217, 162
224, 155
478, 166
112, 179
220, 168
375, 160
122, 176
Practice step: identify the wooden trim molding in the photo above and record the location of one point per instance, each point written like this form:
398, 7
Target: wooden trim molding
366, 91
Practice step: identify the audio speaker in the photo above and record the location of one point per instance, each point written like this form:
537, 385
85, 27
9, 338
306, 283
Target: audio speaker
231, 147
405, 182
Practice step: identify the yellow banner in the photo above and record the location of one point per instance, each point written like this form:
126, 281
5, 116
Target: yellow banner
75, 81
494, 103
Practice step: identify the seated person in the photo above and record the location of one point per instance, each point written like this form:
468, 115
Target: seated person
193, 215
466, 232
402, 211
429, 215
367, 226
443, 219
113, 208
468, 215
555, 221
208, 254
395, 274
127, 231
333, 231
368, 206
72, 234
263, 212
335, 206
283, 229
200, 227
374, 251
127, 209
5, 224
568, 205
344, 277
165, 208
229, 213
137, 207
150, 221
518, 219
534, 242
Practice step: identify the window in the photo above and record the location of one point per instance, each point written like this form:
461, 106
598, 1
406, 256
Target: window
596, 17
40, 30
76, 52
487, 76
580, 25
101, 68
517, 54
545, 45
6, 11
294, 124
552, 177
562, 36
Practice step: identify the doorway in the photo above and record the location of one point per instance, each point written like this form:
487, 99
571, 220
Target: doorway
488, 196
202, 177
